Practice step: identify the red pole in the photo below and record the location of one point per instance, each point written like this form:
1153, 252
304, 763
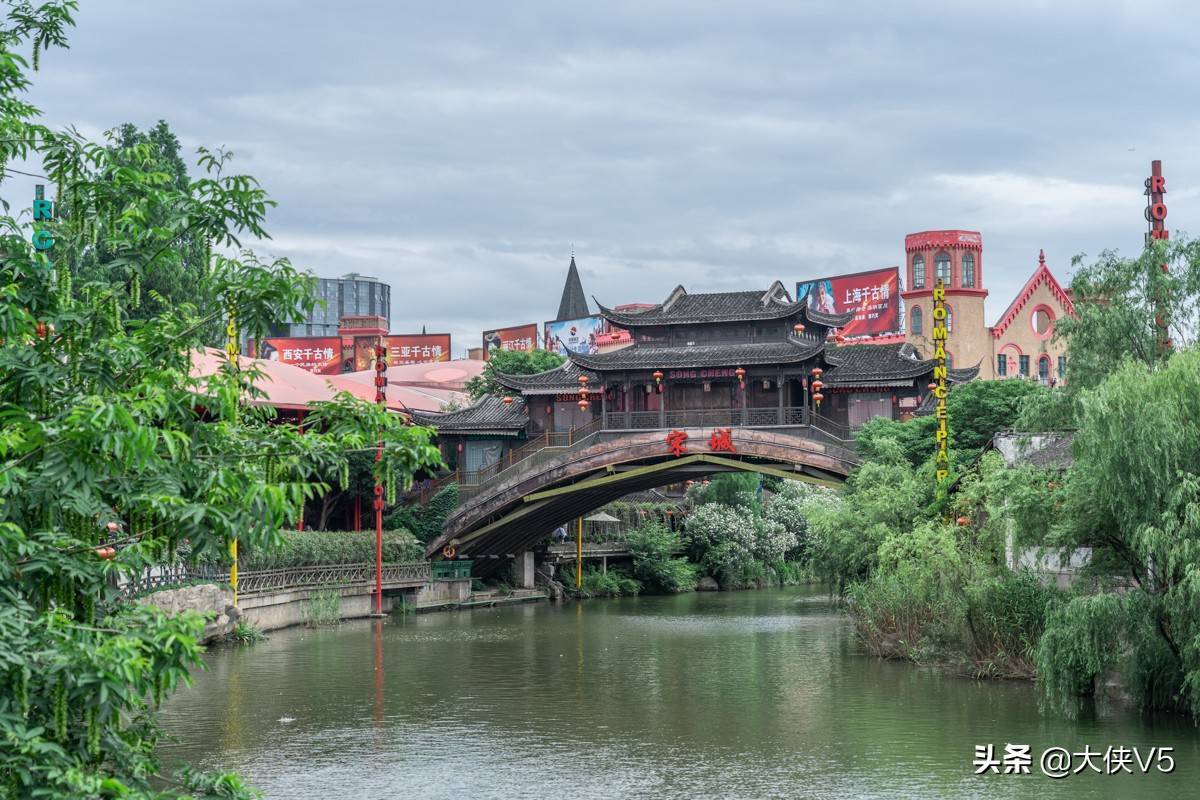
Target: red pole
357, 512
381, 399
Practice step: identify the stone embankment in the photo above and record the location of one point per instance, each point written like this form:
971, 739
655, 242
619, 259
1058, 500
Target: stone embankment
206, 598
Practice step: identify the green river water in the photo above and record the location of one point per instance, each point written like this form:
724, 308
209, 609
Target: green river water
732, 695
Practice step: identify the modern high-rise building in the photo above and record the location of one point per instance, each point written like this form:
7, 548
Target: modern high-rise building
351, 295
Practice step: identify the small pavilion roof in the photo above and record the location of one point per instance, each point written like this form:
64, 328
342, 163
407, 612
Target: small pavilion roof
681, 308
882, 365
562, 379
488, 415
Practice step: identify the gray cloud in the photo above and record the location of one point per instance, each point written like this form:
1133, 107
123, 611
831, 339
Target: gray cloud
457, 150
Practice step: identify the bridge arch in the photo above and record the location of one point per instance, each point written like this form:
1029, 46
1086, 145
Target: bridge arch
515, 509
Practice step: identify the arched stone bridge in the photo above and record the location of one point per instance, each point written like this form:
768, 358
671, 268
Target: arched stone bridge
515, 509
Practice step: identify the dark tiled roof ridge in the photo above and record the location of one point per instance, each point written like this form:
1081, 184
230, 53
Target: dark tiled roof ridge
641, 356
487, 413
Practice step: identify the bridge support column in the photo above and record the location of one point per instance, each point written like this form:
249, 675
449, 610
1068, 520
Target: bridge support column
522, 570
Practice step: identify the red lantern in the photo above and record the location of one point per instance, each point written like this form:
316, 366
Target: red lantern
107, 553
741, 373
583, 404
549, 409
817, 372
113, 527
658, 376
508, 401
963, 522
689, 483
817, 398
798, 328
818, 386
932, 386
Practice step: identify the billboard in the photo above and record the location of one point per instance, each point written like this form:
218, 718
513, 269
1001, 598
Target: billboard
319, 354
419, 348
575, 335
517, 337
873, 296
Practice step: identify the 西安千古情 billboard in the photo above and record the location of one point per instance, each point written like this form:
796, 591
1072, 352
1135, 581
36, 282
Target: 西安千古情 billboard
319, 354
516, 337
873, 296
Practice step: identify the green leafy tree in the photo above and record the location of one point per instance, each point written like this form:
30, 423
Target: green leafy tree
1134, 491
1120, 301
112, 453
977, 410
510, 362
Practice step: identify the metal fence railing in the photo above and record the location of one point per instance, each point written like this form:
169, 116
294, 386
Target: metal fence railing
273, 580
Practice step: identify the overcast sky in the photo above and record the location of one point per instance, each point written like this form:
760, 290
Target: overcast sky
458, 150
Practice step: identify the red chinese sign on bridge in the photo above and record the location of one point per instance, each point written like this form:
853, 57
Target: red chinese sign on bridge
676, 443
721, 439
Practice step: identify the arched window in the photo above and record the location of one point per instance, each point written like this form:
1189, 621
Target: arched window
918, 271
949, 319
1044, 369
1042, 322
918, 321
941, 266
968, 270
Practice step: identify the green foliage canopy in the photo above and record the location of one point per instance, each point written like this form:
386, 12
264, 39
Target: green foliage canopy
107, 440
510, 362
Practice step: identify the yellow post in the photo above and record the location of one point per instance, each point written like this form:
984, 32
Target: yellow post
579, 554
233, 569
232, 347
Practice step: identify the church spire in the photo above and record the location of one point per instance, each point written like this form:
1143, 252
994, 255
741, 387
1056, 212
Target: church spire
573, 304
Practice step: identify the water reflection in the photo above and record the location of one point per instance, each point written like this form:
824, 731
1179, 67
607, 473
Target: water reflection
743, 695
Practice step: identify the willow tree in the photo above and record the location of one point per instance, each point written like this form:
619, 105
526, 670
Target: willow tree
1134, 494
112, 452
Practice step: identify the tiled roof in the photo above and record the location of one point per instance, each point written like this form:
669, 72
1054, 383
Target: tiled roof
882, 364
488, 415
561, 379
1041, 450
639, 356
682, 308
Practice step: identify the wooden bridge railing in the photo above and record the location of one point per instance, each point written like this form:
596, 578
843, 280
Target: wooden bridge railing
549, 442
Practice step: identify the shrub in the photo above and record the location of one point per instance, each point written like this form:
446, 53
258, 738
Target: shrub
734, 545
244, 633
596, 583
424, 521
314, 548
787, 508
1005, 616
324, 607
653, 547
912, 606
